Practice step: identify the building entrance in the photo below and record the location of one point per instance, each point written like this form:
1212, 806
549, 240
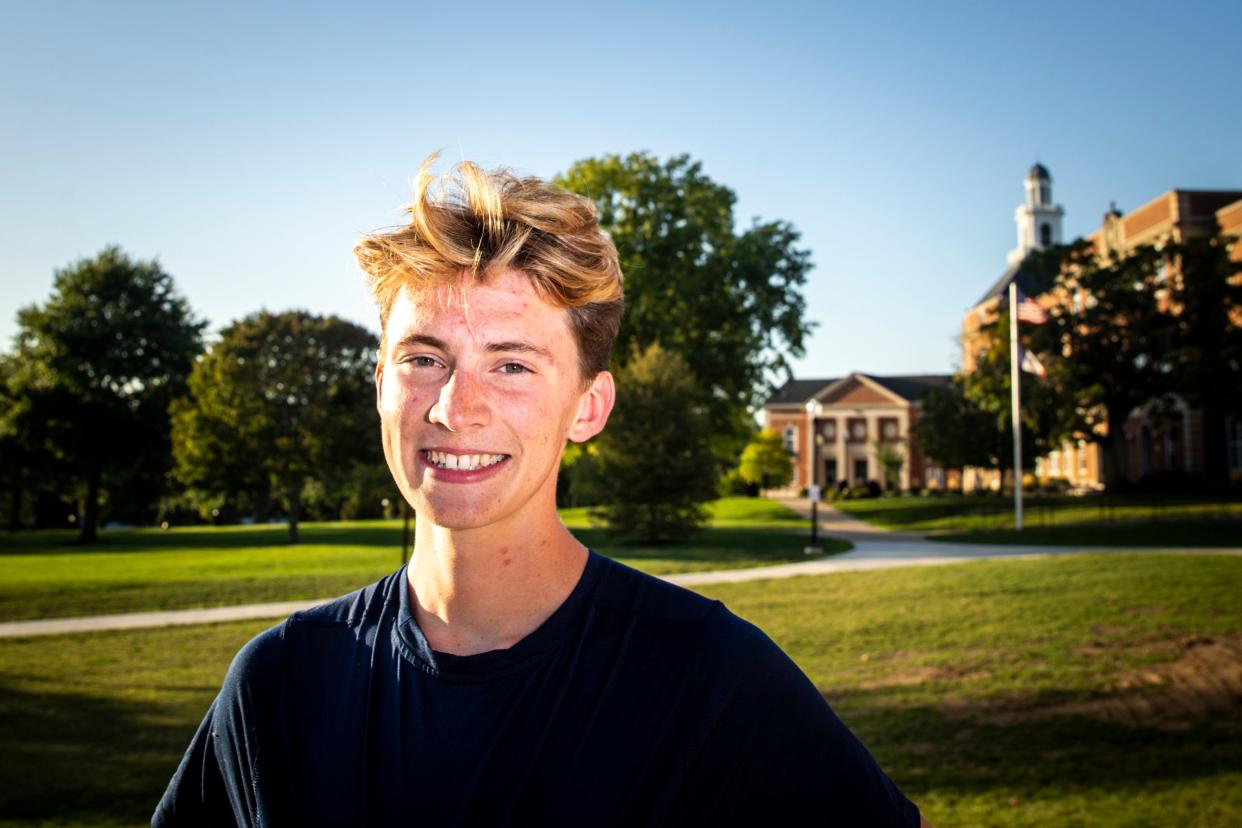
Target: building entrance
860, 471
830, 472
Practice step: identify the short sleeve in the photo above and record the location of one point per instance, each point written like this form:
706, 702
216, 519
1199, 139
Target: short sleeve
778, 754
216, 782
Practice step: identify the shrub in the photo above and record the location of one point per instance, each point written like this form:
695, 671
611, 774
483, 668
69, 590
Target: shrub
657, 468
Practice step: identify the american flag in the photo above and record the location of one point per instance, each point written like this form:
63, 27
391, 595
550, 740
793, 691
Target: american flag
1030, 311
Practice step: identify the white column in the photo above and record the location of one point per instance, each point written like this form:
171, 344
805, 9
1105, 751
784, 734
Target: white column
873, 434
903, 431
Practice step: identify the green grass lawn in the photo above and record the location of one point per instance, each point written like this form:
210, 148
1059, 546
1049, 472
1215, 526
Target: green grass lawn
43, 575
1083, 521
1058, 691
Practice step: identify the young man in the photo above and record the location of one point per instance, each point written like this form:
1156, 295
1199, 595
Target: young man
507, 675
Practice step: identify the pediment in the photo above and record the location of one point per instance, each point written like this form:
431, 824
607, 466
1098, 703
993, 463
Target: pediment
856, 390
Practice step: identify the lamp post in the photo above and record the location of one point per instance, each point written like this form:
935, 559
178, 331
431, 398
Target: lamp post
813, 410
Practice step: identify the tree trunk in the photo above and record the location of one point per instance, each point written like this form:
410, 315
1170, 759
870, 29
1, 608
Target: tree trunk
1113, 453
89, 519
1215, 449
260, 503
295, 511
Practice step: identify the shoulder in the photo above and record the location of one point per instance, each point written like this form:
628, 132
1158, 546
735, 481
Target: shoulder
355, 608
625, 589
265, 661
698, 632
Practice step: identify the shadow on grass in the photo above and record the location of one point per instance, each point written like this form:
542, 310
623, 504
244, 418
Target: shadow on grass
76, 758
967, 750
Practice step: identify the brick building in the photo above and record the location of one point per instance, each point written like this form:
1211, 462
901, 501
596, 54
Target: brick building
832, 427
1157, 440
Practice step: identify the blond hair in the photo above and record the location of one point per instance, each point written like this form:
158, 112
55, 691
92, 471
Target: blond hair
483, 222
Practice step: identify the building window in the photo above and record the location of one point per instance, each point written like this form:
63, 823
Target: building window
791, 440
1054, 463
888, 429
1082, 459
829, 430
1045, 235
858, 431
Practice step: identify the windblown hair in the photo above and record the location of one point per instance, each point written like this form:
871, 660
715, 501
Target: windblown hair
479, 223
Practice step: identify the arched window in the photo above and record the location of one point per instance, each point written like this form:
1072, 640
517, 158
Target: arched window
1045, 234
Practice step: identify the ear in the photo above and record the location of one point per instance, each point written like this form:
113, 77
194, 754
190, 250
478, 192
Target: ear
593, 408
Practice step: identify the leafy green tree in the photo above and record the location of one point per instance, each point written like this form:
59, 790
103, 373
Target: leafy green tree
1204, 306
988, 390
765, 462
1107, 346
656, 466
954, 432
729, 302
97, 366
279, 400
891, 460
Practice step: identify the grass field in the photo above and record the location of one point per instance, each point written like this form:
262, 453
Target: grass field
43, 575
1085, 690
1085, 521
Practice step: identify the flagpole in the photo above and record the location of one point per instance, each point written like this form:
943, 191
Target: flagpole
1016, 395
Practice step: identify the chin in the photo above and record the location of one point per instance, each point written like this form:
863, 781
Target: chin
454, 515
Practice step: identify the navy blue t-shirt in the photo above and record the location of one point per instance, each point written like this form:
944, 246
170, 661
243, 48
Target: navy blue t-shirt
636, 703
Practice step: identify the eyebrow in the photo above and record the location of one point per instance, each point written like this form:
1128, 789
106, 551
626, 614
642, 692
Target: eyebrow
492, 347
521, 347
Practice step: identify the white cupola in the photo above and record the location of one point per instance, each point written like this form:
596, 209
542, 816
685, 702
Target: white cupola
1038, 220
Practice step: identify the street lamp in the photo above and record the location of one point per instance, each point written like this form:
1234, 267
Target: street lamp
813, 411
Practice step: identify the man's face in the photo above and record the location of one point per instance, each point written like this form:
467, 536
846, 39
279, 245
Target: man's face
478, 389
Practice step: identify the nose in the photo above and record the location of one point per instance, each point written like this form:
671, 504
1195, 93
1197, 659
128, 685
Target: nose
461, 404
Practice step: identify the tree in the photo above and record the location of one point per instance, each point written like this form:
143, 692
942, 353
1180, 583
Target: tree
656, 466
730, 303
1205, 313
953, 431
1107, 346
891, 460
765, 462
988, 389
97, 367
280, 400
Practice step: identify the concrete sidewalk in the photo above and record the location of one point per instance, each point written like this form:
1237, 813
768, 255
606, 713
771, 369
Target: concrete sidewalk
874, 548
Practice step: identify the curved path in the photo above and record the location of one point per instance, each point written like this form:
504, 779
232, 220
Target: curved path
874, 548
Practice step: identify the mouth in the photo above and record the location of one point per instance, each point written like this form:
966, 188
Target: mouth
449, 461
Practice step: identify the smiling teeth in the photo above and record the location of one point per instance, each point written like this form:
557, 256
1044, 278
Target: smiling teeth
462, 462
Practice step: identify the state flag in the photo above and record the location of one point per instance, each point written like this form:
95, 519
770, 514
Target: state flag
1032, 365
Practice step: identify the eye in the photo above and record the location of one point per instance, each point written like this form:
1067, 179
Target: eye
514, 368
423, 362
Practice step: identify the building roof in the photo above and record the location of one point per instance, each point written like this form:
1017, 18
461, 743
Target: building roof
911, 387
1039, 171
1030, 282
798, 391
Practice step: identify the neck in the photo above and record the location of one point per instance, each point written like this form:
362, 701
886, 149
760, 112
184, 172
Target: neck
476, 590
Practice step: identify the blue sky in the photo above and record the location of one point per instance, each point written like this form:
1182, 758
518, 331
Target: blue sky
246, 147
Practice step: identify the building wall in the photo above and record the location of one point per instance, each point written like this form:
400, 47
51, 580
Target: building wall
1177, 215
854, 401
